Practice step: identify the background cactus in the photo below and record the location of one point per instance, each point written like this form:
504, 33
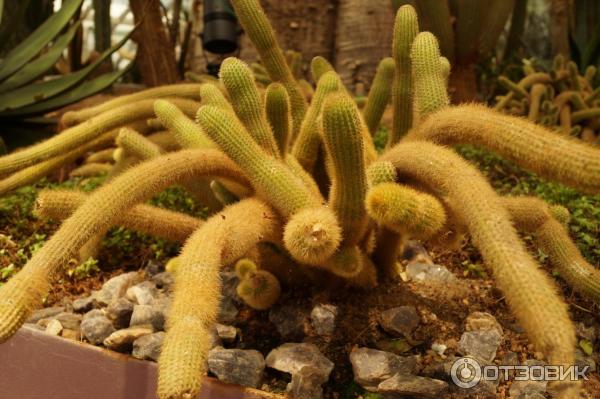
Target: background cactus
561, 99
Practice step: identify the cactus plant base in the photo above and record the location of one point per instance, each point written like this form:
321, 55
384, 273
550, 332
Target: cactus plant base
442, 310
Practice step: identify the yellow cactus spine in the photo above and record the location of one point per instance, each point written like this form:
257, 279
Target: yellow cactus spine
533, 215
343, 137
306, 146
277, 104
379, 95
185, 90
429, 83
186, 132
258, 288
274, 181
212, 95
224, 238
158, 222
247, 103
255, 23
136, 145
98, 213
530, 146
91, 169
530, 294
35, 172
77, 135
406, 28
405, 210
312, 235
319, 66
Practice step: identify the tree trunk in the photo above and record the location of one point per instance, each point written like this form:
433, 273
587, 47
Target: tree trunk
363, 37
463, 83
307, 26
559, 28
155, 55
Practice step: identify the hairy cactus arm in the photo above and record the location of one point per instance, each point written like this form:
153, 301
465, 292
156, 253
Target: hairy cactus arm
78, 135
185, 90
406, 28
98, 213
429, 82
158, 222
379, 95
306, 146
187, 133
255, 23
224, 238
277, 105
530, 294
343, 138
534, 216
530, 146
137, 145
247, 103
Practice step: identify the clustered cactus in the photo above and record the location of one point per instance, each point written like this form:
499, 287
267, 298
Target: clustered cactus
306, 179
561, 99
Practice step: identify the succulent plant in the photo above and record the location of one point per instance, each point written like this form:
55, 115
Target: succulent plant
21, 92
329, 203
561, 99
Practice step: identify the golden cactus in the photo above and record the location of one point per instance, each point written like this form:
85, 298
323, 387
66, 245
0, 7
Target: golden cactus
350, 226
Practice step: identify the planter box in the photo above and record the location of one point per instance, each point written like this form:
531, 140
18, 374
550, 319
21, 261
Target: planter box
36, 365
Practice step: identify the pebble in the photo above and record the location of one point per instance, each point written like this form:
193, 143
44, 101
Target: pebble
143, 293
323, 317
400, 320
289, 321
480, 344
96, 327
122, 340
163, 280
421, 387
372, 366
237, 366
226, 333
306, 384
586, 332
116, 287
227, 311
148, 315
153, 267
482, 321
85, 304
426, 272
45, 313
292, 357
414, 252
119, 312
54, 327
147, 347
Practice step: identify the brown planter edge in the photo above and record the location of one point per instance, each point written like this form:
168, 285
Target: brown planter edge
36, 365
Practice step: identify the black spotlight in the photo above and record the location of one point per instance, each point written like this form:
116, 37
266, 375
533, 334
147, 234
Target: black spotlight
220, 34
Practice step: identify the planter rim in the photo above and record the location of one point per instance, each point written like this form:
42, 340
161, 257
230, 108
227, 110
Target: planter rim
36, 365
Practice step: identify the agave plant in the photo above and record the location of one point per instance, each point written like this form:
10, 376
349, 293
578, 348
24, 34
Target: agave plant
22, 91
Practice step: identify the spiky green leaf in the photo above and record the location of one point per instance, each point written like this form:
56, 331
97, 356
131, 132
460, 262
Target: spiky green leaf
36, 92
80, 92
35, 42
37, 67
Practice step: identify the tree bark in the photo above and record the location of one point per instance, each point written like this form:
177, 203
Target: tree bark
559, 28
306, 26
155, 55
363, 37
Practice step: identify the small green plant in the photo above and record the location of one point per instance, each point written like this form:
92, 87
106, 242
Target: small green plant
84, 269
